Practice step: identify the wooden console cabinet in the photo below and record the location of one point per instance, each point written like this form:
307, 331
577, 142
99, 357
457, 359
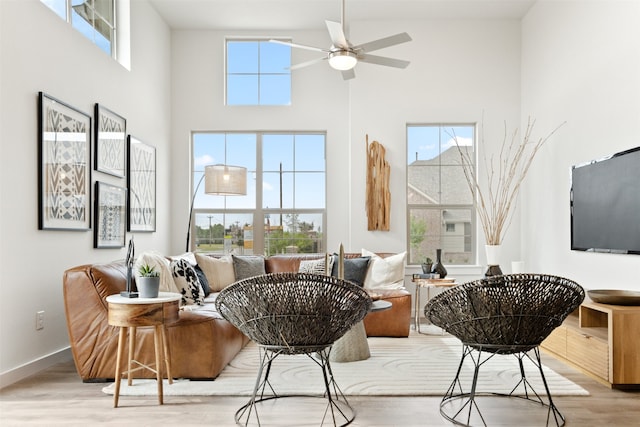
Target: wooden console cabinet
601, 340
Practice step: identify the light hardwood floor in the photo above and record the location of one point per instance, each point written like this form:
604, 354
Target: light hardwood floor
56, 396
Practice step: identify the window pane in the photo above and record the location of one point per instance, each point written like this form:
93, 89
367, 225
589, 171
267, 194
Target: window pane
424, 183
309, 153
274, 58
272, 182
277, 150
293, 233
446, 229
275, 89
456, 190
242, 57
423, 143
241, 150
310, 190
208, 149
58, 6
242, 90
223, 233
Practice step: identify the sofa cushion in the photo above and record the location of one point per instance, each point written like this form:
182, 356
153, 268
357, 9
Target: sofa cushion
385, 273
248, 266
355, 269
219, 271
185, 277
316, 266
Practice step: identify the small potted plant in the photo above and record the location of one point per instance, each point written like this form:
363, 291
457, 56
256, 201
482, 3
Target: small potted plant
148, 281
427, 265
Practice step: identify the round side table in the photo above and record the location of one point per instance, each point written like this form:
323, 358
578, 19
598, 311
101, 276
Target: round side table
130, 313
353, 345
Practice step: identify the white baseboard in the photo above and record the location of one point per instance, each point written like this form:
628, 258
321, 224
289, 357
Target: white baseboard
31, 368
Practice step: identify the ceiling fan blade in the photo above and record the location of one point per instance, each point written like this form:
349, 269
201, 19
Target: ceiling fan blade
337, 35
382, 43
307, 63
381, 60
348, 74
301, 46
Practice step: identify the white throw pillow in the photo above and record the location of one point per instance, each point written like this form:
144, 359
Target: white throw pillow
385, 273
316, 266
186, 279
219, 271
161, 264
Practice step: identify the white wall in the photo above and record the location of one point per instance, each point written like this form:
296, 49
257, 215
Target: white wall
580, 64
40, 52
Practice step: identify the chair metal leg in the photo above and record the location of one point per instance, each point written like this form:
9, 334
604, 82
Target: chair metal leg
469, 398
337, 404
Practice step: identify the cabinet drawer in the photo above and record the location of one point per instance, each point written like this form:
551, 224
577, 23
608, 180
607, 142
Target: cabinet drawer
588, 352
556, 342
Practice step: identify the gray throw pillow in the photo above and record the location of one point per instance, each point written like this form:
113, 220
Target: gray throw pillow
355, 269
248, 266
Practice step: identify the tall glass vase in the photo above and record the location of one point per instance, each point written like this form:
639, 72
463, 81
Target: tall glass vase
493, 260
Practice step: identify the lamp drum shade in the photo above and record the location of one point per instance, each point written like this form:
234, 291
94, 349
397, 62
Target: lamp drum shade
225, 180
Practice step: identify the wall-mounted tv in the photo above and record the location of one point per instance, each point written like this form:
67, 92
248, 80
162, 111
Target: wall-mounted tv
605, 204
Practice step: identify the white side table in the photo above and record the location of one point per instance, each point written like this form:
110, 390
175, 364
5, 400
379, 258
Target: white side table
130, 313
426, 283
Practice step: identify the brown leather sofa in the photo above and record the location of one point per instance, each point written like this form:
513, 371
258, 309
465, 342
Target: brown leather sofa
202, 342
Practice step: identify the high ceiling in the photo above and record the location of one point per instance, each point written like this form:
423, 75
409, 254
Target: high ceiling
311, 14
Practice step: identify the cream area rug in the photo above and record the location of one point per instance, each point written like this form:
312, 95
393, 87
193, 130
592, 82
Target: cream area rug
420, 365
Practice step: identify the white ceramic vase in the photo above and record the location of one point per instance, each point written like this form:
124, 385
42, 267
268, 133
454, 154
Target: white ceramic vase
493, 260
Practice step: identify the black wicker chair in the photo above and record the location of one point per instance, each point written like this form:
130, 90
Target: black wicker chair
509, 314
294, 313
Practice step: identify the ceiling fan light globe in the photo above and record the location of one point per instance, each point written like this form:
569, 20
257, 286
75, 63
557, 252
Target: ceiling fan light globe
342, 60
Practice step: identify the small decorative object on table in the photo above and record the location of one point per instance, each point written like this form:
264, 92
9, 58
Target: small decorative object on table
148, 281
438, 268
427, 265
129, 263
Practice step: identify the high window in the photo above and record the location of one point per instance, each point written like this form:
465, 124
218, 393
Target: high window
257, 73
284, 209
95, 19
440, 206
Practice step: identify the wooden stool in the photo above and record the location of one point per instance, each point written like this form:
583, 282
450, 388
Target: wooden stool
130, 313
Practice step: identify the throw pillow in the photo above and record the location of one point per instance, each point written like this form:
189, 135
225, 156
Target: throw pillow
189, 256
203, 280
248, 266
355, 269
385, 273
315, 266
185, 277
161, 264
219, 271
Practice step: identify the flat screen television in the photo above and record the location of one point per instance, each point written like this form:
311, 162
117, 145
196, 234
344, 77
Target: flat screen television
605, 204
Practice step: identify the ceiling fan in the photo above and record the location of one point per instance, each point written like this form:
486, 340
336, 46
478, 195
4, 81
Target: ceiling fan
344, 56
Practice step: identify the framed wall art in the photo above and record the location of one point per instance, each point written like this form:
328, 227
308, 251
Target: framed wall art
111, 131
110, 216
141, 182
64, 170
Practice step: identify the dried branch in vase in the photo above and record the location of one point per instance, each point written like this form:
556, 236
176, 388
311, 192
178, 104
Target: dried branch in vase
504, 176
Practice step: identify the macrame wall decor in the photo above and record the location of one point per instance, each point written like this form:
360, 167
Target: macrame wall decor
378, 195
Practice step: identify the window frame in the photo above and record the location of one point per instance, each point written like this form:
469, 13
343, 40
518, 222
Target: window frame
68, 18
259, 212
258, 74
410, 207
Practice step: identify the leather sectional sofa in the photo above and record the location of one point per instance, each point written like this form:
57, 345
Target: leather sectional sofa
202, 342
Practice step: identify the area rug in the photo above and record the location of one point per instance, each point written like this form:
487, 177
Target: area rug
421, 365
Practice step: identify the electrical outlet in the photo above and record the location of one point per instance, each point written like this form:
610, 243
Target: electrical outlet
39, 320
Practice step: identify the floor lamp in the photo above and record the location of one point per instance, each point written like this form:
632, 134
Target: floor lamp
221, 180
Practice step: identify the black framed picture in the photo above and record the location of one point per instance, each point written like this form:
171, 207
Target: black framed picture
110, 216
141, 182
111, 131
64, 166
